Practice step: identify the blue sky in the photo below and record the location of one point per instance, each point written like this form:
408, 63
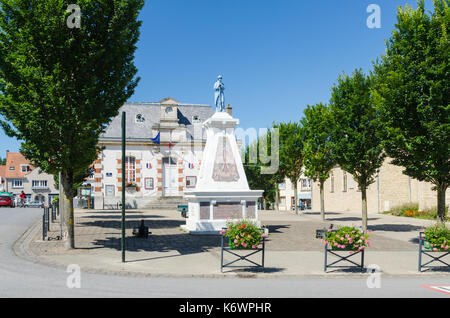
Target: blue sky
276, 56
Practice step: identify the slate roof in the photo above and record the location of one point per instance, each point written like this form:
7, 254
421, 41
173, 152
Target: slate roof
151, 113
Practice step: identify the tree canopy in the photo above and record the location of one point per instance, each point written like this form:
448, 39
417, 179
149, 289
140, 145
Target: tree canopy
356, 131
317, 152
412, 95
61, 86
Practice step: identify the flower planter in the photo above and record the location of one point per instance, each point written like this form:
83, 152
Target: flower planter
426, 249
232, 246
348, 237
239, 251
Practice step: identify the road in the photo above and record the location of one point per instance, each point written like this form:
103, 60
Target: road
23, 278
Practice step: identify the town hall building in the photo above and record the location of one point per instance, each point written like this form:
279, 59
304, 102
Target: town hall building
164, 147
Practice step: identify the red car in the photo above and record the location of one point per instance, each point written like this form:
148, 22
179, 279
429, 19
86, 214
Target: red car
6, 200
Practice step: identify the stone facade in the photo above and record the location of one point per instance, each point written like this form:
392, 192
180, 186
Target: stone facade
391, 188
287, 193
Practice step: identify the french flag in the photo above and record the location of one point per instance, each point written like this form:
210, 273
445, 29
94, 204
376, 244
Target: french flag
148, 165
191, 166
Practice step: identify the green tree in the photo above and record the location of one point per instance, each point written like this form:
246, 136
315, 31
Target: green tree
291, 153
61, 86
257, 178
355, 135
412, 95
2, 161
317, 154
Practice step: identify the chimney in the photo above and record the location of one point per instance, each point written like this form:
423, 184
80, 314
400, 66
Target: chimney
229, 110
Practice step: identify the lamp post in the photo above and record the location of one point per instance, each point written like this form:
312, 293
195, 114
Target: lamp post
123, 185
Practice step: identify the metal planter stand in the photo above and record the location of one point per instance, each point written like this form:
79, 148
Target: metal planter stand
328, 250
241, 257
342, 259
434, 259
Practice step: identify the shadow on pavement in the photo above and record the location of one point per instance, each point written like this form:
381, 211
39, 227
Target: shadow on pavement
135, 222
395, 227
277, 228
182, 243
347, 219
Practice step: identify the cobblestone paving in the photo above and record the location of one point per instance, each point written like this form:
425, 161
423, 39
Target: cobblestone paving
102, 229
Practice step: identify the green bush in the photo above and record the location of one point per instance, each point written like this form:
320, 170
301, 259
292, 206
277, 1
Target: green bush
438, 237
401, 209
412, 210
243, 234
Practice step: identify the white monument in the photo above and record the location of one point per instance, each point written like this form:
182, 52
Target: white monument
222, 192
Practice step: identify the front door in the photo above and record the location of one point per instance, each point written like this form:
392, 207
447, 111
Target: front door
170, 177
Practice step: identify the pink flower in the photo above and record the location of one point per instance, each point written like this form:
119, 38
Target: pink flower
435, 249
244, 244
235, 241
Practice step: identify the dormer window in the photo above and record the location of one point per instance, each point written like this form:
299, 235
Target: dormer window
140, 118
195, 119
25, 168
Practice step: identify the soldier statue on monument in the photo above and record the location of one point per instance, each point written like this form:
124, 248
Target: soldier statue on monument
219, 96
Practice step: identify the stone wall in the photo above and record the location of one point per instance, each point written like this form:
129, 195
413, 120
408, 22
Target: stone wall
391, 188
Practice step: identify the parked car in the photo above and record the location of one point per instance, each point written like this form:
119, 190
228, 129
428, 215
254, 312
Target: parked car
6, 200
34, 204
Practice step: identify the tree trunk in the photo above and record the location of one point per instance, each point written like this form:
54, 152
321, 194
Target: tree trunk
67, 191
441, 213
295, 198
364, 207
322, 201
264, 204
